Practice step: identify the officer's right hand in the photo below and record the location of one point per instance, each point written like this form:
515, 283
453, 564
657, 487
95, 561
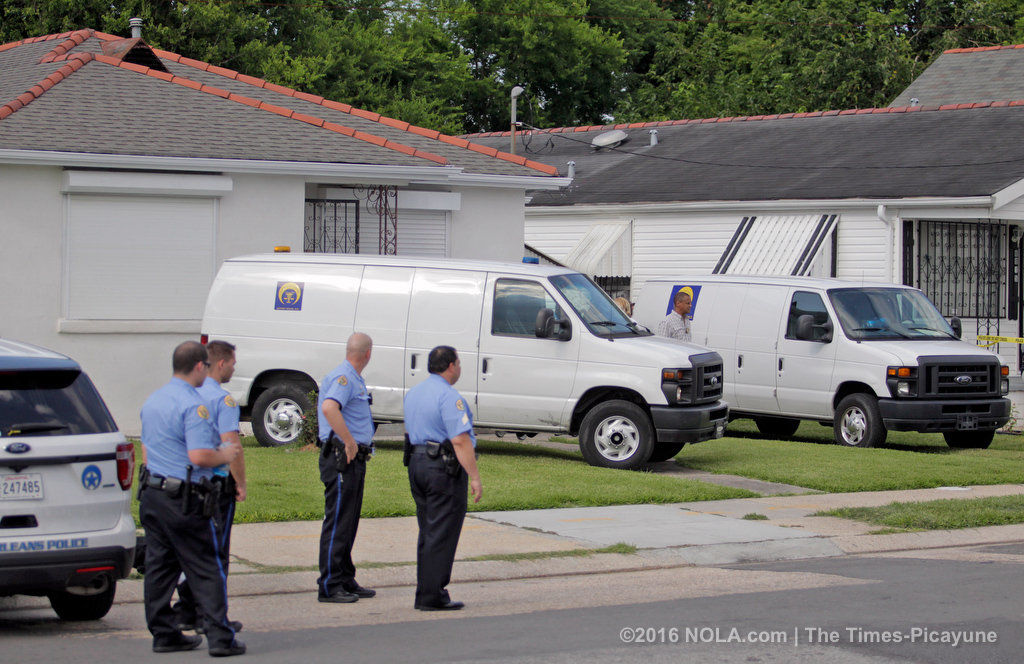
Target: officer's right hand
477, 489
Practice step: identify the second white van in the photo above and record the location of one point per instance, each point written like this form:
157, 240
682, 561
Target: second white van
543, 349
863, 358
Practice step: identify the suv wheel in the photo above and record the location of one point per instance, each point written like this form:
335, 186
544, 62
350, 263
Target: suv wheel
278, 413
969, 440
74, 605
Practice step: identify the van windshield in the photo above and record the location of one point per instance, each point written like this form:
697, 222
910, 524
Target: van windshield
598, 311
888, 313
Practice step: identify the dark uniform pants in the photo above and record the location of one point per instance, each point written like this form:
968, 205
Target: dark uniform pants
186, 606
343, 501
440, 511
177, 542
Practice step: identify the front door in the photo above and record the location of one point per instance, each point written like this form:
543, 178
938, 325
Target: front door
522, 379
804, 378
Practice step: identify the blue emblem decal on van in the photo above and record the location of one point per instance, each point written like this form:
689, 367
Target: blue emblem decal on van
693, 291
91, 477
18, 448
289, 295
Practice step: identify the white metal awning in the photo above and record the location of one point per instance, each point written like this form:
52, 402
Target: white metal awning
605, 251
782, 244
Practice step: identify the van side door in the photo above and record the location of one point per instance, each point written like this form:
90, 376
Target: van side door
382, 312
444, 310
523, 380
805, 366
757, 337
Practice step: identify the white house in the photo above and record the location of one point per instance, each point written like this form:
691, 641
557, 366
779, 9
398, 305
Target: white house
128, 174
925, 195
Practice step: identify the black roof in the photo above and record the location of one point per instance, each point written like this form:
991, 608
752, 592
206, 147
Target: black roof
964, 75
870, 153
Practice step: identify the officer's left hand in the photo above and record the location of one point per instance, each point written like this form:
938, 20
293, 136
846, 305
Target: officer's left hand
240, 493
351, 449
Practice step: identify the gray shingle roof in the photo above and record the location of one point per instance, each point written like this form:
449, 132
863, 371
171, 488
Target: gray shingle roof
969, 75
879, 153
109, 107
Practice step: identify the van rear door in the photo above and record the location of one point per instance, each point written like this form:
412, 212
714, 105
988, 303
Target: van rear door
445, 310
523, 379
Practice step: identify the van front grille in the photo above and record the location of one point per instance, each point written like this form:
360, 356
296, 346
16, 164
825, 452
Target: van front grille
708, 376
959, 378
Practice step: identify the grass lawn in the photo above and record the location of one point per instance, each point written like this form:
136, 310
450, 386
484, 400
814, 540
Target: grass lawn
284, 483
939, 514
812, 460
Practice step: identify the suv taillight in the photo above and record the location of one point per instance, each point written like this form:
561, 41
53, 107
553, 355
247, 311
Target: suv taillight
125, 464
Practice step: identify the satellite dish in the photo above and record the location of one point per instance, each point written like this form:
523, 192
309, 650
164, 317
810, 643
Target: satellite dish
609, 139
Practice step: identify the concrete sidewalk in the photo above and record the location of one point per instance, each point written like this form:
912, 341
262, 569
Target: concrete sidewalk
282, 557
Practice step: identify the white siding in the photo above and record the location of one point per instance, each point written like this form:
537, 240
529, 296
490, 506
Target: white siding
868, 248
556, 236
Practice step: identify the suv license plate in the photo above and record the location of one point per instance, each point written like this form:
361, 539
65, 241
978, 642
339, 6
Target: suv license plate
966, 422
21, 487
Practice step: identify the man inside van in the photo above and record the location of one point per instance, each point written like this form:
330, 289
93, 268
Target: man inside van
346, 441
677, 324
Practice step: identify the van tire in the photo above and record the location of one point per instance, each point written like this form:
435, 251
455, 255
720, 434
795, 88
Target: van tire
969, 440
777, 427
665, 451
72, 606
277, 402
617, 434
858, 422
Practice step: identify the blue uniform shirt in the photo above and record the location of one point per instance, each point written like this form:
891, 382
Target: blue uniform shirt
345, 386
224, 414
434, 411
174, 421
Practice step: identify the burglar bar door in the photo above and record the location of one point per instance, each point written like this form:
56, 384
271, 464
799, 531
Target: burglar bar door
332, 226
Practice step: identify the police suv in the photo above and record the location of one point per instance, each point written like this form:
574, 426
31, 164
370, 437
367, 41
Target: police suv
66, 530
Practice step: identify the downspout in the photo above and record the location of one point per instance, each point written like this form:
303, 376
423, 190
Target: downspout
883, 216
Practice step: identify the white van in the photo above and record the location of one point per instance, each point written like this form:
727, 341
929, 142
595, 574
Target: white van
543, 349
864, 358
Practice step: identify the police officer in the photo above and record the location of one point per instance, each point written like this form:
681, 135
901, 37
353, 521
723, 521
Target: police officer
224, 414
437, 418
346, 441
180, 454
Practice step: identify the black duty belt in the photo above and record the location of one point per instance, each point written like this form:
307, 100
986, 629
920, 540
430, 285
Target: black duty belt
170, 485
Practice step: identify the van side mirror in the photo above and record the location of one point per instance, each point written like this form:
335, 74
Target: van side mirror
958, 328
546, 325
808, 330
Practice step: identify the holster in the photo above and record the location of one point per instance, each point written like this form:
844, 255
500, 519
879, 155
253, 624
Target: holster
209, 493
451, 461
406, 452
334, 449
143, 480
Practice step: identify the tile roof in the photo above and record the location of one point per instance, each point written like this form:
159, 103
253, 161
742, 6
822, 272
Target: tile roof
961, 75
951, 150
195, 109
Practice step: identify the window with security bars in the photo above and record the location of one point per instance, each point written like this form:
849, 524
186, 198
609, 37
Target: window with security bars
961, 267
331, 226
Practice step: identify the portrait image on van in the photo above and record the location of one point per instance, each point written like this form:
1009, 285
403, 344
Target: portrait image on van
691, 290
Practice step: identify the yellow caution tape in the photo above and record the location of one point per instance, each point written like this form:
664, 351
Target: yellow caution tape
995, 340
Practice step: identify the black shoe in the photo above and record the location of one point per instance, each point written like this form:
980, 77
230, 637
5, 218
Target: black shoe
235, 625
177, 644
236, 648
339, 597
359, 591
447, 606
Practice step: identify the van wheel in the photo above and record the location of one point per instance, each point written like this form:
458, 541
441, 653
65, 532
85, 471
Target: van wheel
71, 605
665, 451
858, 422
777, 427
277, 415
616, 434
969, 440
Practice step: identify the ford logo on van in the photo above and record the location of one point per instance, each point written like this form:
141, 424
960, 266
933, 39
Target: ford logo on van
713, 380
963, 380
18, 448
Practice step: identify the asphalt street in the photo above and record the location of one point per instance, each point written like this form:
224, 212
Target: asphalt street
891, 607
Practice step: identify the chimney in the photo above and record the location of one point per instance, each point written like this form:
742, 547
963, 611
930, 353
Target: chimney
136, 25
572, 169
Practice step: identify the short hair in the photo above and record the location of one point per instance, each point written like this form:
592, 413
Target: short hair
358, 342
220, 350
680, 294
440, 358
186, 354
